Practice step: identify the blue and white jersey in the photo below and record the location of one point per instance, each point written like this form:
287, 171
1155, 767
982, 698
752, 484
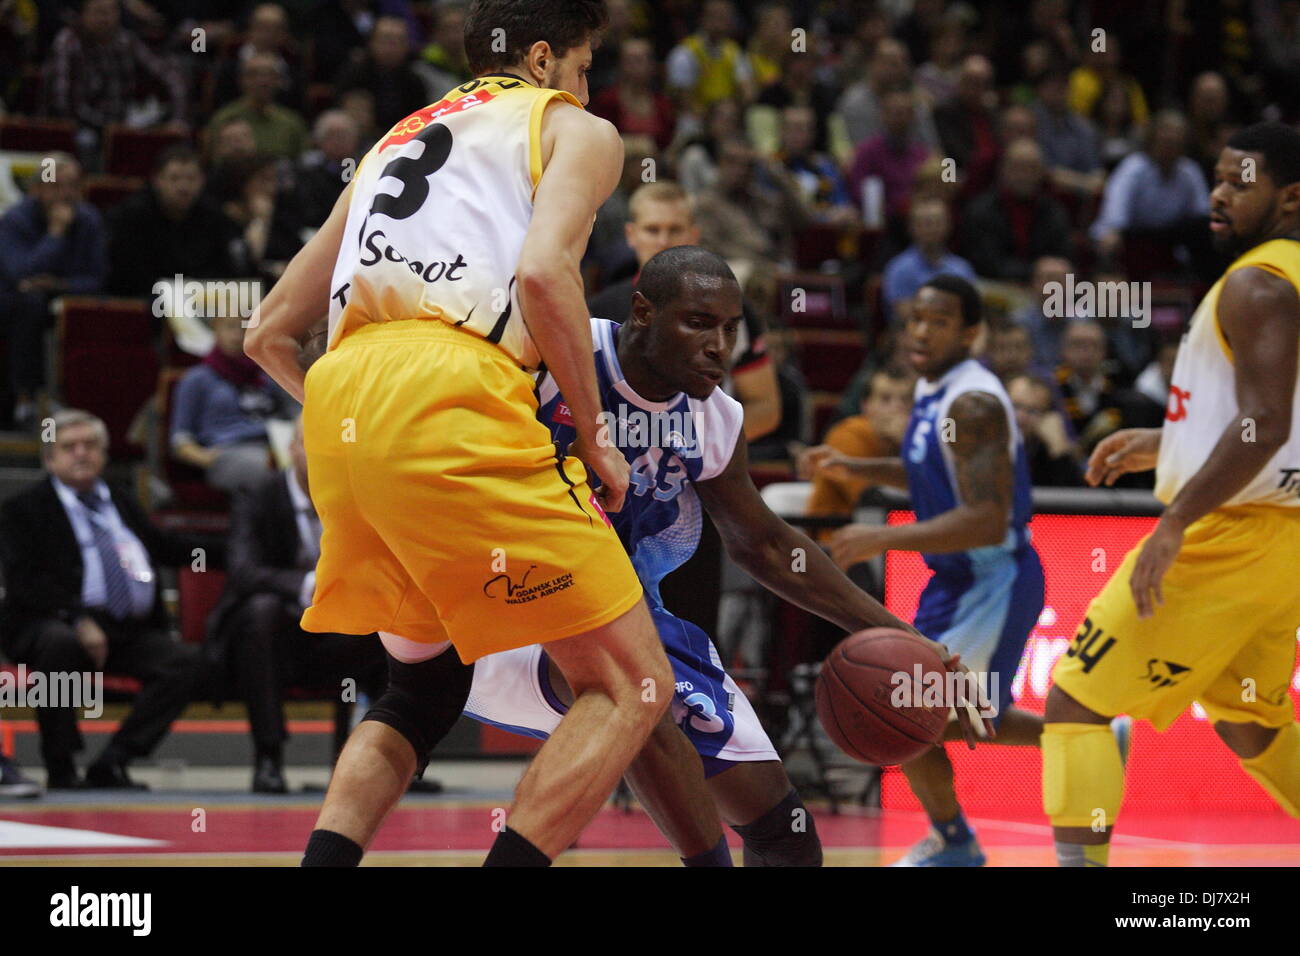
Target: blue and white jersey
932, 475
668, 445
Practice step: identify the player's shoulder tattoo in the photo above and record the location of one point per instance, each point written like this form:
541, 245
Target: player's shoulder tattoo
979, 421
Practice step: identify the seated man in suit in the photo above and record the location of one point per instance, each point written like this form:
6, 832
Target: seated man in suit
274, 544
80, 564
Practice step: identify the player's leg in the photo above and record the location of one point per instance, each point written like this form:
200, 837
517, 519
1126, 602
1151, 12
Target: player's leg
1017, 728
359, 583
1083, 779
758, 801
523, 692
1269, 754
667, 779
988, 623
1251, 710
427, 689
622, 685
1200, 644
743, 771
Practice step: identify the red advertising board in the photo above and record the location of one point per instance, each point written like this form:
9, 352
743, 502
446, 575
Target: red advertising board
1186, 767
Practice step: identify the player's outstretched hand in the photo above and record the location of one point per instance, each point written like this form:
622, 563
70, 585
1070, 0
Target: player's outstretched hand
967, 710
1129, 449
816, 459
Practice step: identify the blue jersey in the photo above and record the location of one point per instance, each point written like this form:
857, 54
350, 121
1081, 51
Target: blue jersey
668, 446
931, 473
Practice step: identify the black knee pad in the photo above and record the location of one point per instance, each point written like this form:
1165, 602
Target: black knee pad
423, 701
784, 836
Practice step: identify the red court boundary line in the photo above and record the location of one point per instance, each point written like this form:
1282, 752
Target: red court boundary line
185, 726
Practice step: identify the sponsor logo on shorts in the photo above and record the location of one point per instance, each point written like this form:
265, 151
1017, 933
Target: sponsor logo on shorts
562, 415
1164, 673
524, 592
1290, 482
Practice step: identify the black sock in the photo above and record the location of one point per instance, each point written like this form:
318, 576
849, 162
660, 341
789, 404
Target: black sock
327, 848
511, 849
718, 856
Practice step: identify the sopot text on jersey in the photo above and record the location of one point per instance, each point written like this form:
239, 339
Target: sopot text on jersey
434, 271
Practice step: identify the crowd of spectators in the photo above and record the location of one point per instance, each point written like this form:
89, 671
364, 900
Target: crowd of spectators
1022, 144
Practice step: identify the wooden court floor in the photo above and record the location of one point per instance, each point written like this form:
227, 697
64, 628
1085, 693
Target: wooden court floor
222, 829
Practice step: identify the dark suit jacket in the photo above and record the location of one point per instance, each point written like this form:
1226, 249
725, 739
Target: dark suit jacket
42, 560
262, 555
989, 242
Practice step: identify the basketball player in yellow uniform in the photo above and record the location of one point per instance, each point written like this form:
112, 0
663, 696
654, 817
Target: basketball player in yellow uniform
447, 514
1206, 607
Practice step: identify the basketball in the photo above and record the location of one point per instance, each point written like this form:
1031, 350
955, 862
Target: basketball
870, 702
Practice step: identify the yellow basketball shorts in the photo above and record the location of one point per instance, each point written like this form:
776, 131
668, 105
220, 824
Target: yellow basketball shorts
1225, 635
446, 513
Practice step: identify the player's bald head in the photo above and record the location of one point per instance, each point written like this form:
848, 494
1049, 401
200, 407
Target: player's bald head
674, 273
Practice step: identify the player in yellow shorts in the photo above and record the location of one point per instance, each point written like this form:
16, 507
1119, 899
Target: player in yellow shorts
1206, 607
447, 513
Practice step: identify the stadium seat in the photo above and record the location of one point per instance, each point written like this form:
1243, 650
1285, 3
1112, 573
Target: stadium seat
107, 362
812, 300
199, 593
26, 134
820, 243
132, 152
189, 489
829, 357
104, 192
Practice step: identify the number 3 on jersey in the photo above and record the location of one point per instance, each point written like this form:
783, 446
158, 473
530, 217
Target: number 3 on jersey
413, 172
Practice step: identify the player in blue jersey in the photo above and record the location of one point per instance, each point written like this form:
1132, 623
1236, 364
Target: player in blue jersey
963, 464
683, 439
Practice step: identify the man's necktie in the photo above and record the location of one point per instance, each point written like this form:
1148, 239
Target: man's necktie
117, 586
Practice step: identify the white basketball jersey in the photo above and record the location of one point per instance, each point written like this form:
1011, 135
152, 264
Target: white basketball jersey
1203, 401
439, 210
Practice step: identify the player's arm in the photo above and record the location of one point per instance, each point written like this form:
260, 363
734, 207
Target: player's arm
1260, 317
824, 459
771, 550
789, 564
1127, 450
585, 162
981, 436
300, 297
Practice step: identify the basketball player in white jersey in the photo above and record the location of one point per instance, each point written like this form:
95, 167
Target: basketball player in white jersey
1206, 607
432, 476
